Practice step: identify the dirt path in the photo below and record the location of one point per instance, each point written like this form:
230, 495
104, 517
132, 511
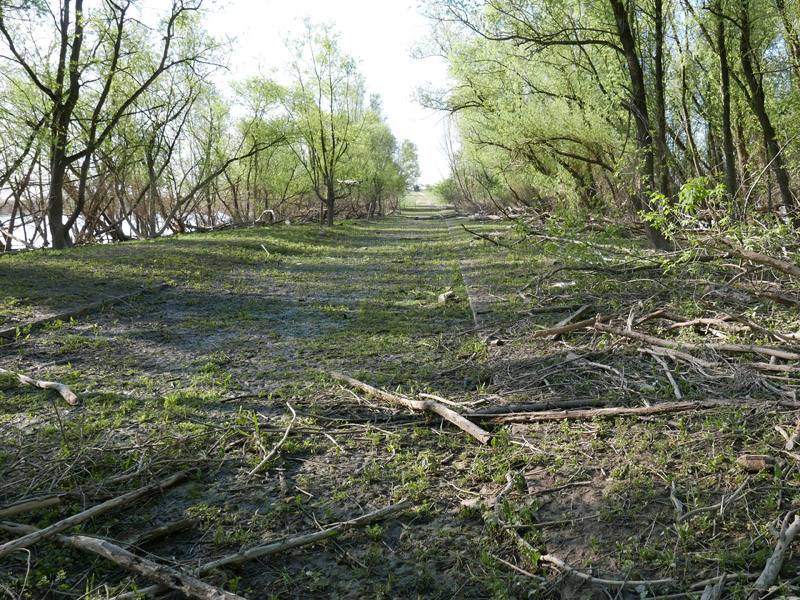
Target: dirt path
201, 372
204, 374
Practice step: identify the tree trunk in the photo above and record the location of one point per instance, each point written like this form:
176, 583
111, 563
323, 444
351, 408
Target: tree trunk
661, 110
758, 104
12, 220
330, 200
59, 234
638, 106
731, 186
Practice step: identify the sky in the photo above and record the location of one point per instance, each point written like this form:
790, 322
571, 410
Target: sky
378, 33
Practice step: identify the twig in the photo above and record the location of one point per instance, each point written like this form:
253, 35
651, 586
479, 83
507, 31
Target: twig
277, 447
722, 505
64, 524
574, 326
570, 570
430, 406
673, 383
484, 237
66, 393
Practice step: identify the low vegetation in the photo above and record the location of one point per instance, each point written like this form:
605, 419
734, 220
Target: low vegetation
229, 364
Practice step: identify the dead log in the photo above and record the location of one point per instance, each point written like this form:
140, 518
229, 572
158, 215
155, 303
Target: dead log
162, 574
12, 332
64, 524
66, 393
431, 406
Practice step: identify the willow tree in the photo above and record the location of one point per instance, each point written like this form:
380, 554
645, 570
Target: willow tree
98, 69
325, 104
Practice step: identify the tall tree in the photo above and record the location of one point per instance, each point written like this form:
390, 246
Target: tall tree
82, 90
326, 109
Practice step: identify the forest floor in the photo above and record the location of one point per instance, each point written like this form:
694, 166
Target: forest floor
236, 331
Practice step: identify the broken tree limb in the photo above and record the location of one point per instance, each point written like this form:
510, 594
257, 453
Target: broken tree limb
607, 413
277, 447
789, 529
66, 393
29, 505
719, 346
12, 332
64, 524
431, 406
162, 574
573, 327
483, 237
570, 570
763, 259
569, 319
721, 506
11, 236
518, 408
280, 546
304, 540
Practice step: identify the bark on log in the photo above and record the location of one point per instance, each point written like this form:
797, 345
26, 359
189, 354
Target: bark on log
66, 393
55, 528
164, 575
431, 406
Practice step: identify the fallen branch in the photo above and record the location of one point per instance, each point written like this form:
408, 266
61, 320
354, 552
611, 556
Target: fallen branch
157, 533
29, 505
277, 447
66, 393
606, 413
533, 407
430, 406
675, 388
569, 319
574, 326
719, 346
570, 570
484, 237
763, 259
279, 546
722, 505
11, 236
162, 574
789, 529
12, 332
55, 528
